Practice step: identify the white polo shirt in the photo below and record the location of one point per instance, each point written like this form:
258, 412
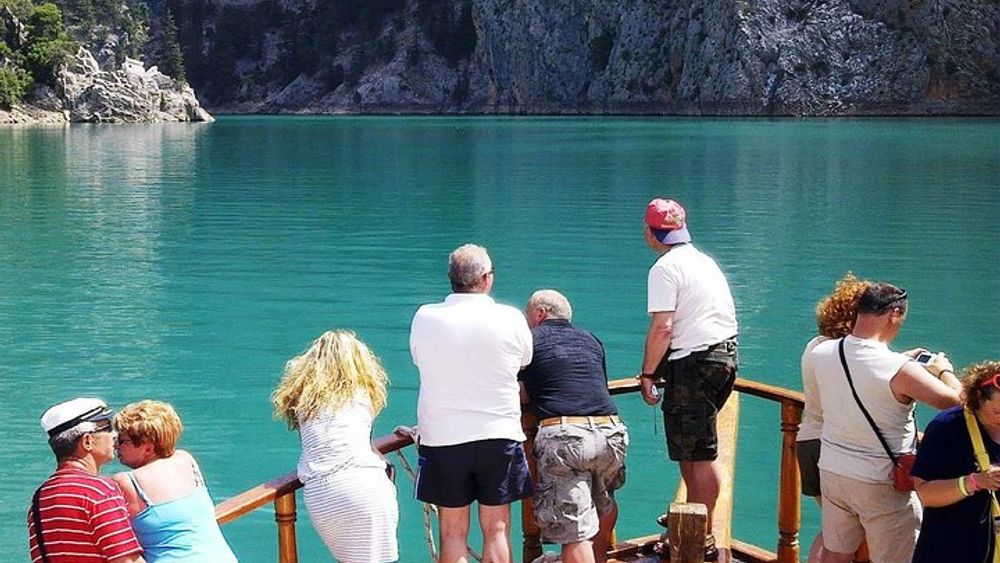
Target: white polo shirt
689, 283
469, 350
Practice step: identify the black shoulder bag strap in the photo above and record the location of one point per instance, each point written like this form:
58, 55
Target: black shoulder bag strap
868, 417
36, 515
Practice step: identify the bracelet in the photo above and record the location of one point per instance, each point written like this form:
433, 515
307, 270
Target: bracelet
961, 487
645, 375
944, 371
975, 484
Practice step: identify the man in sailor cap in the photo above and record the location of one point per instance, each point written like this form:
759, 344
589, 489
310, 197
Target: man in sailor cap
76, 514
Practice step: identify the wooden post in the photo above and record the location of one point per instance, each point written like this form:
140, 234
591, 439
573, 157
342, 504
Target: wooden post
789, 494
686, 522
531, 546
284, 515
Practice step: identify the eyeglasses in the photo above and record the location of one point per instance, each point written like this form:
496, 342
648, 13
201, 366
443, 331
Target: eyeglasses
122, 440
103, 428
893, 300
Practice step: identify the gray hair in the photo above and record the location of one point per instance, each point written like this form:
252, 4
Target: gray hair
63, 444
552, 302
467, 265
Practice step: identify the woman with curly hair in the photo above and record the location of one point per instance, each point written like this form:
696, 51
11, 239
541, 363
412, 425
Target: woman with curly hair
957, 489
835, 316
331, 394
169, 506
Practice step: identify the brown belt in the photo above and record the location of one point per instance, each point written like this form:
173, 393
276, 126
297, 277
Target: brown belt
607, 419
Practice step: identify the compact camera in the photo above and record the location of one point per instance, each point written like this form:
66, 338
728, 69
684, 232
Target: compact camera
924, 358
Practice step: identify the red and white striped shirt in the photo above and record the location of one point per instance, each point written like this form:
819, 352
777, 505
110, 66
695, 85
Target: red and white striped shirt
84, 519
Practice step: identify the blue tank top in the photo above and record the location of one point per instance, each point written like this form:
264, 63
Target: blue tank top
183, 529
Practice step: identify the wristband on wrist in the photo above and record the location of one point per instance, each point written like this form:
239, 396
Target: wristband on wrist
944, 371
962, 488
972, 481
646, 375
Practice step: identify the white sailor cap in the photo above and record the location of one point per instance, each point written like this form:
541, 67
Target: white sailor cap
64, 416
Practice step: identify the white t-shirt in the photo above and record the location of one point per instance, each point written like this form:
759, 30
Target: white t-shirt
850, 447
812, 415
690, 283
469, 350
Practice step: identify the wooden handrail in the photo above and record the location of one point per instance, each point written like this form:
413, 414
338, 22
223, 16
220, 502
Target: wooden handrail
269, 491
748, 386
281, 490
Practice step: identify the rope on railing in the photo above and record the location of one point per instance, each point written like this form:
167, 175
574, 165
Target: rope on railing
428, 508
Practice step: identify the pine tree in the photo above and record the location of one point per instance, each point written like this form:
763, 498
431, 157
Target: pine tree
171, 57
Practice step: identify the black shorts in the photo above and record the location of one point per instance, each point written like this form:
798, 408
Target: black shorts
695, 388
808, 453
492, 472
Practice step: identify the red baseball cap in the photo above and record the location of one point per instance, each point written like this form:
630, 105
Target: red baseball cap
668, 220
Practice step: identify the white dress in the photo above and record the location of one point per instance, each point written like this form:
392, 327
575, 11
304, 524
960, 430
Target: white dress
351, 502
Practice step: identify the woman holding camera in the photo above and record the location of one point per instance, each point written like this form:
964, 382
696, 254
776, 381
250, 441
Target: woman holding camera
956, 486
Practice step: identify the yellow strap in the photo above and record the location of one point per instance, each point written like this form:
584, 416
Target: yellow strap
983, 461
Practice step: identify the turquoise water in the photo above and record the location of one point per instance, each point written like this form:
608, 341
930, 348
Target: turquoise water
188, 263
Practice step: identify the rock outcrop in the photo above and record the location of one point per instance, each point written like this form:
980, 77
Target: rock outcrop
714, 57
130, 94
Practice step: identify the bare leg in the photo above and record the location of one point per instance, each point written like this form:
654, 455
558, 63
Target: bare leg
578, 552
817, 543
602, 541
827, 556
454, 534
702, 479
495, 523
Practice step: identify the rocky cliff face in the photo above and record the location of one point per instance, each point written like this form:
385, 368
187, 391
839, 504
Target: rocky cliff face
128, 94
716, 57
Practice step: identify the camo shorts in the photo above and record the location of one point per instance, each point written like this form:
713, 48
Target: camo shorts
579, 468
695, 388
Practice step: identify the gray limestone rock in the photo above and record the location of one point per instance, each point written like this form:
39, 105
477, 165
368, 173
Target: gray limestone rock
129, 94
721, 57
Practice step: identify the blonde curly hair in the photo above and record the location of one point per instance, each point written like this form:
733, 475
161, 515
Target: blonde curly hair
153, 422
335, 367
836, 313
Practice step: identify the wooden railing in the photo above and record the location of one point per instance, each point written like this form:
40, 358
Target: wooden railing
281, 490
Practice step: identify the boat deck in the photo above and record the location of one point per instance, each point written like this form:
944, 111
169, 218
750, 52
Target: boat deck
687, 531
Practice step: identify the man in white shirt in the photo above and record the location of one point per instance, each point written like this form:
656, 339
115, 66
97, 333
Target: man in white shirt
469, 350
691, 345
855, 470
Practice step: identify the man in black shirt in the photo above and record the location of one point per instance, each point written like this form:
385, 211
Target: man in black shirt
581, 443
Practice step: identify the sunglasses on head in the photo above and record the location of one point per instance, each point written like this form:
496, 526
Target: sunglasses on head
892, 300
992, 382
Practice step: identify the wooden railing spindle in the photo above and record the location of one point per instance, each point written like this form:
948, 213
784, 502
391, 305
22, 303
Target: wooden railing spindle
285, 516
789, 494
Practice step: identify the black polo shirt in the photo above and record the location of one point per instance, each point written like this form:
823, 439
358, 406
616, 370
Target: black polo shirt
567, 375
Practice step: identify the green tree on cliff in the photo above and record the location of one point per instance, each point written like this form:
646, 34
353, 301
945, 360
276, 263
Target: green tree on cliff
171, 58
48, 45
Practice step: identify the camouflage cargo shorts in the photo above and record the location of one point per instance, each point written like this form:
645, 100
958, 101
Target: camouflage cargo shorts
579, 467
695, 388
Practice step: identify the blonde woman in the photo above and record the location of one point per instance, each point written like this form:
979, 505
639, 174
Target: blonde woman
169, 506
331, 394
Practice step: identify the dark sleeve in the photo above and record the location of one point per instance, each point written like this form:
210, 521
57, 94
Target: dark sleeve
604, 357
945, 452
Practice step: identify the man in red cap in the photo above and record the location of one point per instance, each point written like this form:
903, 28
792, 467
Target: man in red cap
77, 515
691, 345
